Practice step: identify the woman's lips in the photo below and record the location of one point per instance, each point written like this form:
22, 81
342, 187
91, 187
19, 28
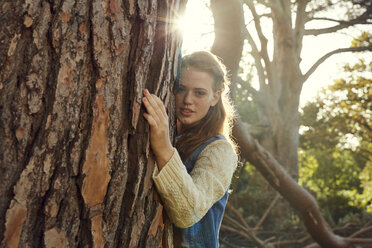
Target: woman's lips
186, 112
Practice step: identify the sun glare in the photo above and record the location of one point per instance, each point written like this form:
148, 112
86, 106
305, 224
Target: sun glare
196, 26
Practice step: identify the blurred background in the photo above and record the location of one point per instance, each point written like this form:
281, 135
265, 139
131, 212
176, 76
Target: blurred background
334, 109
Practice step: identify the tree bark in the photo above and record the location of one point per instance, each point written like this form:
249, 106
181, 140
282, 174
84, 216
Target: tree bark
75, 160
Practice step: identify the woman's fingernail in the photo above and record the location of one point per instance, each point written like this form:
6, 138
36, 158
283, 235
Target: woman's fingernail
146, 91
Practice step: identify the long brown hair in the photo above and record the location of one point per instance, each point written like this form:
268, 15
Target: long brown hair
219, 117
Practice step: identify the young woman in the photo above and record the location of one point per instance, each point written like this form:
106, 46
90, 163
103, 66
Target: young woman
193, 178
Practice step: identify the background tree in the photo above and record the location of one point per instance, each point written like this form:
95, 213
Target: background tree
75, 162
280, 83
279, 73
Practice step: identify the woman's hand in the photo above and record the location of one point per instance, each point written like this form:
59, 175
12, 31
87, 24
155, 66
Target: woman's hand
157, 118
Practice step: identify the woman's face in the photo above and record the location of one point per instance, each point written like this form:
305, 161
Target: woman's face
195, 96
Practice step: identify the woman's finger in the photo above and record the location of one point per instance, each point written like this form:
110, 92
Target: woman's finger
150, 109
153, 101
161, 107
150, 120
158, 104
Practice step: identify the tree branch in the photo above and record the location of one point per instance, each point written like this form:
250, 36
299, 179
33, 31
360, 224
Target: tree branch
363, 19
247, 86
290, 242
269, 4
272, 204
257, 59
326, 56
328, 19
247, 233
301, 18
240, 217
361, 231
274, 172
297, 196
263, 40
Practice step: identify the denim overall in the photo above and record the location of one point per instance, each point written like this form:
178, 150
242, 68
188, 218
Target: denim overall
204, 233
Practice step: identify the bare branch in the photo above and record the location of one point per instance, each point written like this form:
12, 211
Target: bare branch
228, 244
323, 7
279, 179
248, 233
291, 242
361, 231
263, 40
257, 58
349, 240
269, 4
359, 240
301, 18
363, 19
326, 56
272, 204
240, 217
259, 97
231, 229
328, 19
247, 86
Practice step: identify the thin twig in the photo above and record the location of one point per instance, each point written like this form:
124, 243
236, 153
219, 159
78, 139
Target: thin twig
246, 235
228, 244
359, 240
248, 232
272, 204
361, 231
240, 217
289, 242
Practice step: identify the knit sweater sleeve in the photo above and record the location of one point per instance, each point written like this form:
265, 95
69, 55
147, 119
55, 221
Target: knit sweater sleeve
187, 198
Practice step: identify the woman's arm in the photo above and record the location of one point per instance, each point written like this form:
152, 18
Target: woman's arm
158, 120
187, 198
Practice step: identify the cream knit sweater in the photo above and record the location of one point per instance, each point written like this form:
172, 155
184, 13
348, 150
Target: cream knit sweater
187, 198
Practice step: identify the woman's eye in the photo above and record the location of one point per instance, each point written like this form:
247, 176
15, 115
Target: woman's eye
200, 93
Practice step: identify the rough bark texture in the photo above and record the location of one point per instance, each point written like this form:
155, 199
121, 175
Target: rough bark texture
75, 162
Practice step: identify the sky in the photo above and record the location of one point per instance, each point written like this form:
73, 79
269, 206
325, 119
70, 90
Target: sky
197, 27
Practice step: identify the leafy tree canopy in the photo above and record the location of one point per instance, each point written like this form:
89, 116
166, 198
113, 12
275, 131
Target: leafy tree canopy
335, 149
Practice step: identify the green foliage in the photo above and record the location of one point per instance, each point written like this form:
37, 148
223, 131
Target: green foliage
365, 39
335, 155
333, 175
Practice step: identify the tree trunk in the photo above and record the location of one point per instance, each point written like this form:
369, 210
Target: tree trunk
282, 92
250, 150
75, 161
228, 14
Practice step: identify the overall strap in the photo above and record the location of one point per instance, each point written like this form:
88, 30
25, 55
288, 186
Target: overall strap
204, 233
190, 161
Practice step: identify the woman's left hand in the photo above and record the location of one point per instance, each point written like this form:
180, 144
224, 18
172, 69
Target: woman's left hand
158, 120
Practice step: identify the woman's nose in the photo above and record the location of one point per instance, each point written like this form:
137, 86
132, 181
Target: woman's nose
187, 99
